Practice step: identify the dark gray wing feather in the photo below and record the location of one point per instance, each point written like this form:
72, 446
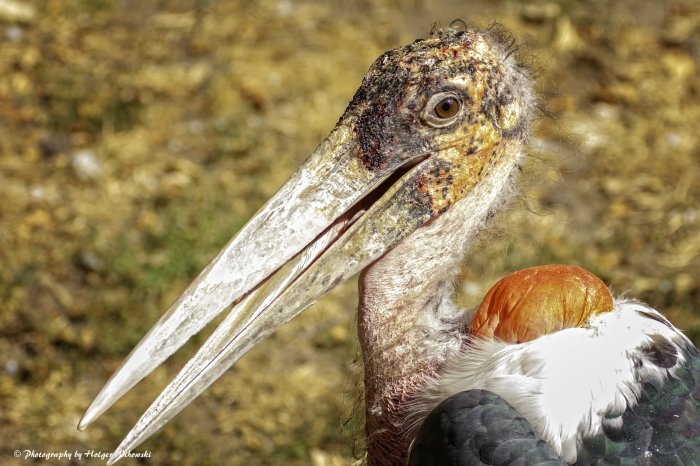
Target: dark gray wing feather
479, 428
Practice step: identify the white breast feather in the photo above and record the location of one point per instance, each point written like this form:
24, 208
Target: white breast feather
563, 383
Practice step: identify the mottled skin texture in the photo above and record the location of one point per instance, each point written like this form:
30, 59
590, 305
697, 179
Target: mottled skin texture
423, 156
398, 92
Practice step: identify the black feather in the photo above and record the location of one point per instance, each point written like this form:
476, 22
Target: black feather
479, 428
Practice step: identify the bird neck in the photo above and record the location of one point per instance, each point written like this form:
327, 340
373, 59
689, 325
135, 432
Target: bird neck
407, 328
408, 325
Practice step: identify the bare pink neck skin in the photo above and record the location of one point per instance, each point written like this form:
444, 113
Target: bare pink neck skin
407, 326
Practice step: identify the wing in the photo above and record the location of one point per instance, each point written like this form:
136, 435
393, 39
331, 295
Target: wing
479, 428
663, 428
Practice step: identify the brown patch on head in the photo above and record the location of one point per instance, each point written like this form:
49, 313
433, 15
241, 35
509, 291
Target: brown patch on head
540, 300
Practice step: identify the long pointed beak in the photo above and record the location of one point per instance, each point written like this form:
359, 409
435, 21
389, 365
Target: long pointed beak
309, 237
325, 187
341, 251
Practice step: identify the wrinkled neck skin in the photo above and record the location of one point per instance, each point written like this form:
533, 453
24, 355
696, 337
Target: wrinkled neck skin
408, 325
402, 348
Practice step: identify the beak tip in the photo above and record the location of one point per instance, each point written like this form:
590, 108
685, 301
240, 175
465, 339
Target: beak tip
109, 394
86, 420
93, 411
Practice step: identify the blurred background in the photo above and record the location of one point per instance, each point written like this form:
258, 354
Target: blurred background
137, 137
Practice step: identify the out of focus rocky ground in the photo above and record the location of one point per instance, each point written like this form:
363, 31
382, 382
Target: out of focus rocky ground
136, 137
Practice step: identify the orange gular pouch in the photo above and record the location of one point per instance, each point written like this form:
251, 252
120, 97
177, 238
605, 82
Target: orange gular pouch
540, 300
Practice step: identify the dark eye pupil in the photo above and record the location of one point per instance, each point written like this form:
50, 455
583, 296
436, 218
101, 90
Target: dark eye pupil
447, 108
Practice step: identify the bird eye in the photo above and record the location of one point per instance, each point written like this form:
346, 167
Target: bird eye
442, 109
447, 108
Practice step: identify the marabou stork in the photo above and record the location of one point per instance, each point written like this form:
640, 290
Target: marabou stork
424, 154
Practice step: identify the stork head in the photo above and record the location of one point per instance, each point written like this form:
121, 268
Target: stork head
430, 121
